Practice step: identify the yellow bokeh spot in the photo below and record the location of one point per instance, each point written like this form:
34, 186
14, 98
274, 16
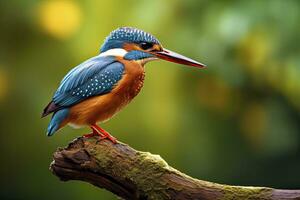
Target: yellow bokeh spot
59, 18
254, 122
254, 51
3, 84
214, 93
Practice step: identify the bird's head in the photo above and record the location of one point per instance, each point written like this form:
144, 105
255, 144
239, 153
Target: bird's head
135, 44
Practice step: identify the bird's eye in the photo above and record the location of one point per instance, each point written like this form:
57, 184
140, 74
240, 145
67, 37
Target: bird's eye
146, 45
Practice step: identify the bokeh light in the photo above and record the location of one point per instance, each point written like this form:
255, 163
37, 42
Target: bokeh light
59, 18
3, 84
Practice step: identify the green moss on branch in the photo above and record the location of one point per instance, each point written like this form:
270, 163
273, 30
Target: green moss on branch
132, 174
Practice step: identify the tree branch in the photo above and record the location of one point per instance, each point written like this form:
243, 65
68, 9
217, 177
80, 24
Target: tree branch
132, 174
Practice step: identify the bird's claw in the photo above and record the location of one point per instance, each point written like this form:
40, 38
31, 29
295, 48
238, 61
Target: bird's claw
109, 137
104, 135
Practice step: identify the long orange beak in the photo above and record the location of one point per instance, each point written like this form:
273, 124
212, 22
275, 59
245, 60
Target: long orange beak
171, 56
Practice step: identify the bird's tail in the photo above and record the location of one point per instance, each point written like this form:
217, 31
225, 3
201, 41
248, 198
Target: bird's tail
56, 120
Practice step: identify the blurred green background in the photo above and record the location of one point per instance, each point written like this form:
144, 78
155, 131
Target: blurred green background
237, 122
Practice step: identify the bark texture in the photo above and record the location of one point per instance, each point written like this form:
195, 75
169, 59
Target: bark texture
132, 174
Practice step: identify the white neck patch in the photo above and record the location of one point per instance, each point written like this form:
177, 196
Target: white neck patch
114, 52
121, 52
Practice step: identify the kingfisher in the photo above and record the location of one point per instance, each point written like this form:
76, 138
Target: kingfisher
97, 89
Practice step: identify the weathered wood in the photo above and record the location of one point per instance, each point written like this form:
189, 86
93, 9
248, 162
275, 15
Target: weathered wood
132, 174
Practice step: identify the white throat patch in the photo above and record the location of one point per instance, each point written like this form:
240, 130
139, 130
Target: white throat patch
114, 52
122, 52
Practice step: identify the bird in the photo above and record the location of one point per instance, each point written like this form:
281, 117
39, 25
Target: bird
97, 89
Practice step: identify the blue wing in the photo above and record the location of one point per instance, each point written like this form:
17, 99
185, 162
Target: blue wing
95, 76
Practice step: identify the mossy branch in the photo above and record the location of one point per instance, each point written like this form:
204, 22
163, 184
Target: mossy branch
132, 174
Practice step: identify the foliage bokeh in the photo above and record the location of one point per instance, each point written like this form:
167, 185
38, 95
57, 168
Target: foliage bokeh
236, 122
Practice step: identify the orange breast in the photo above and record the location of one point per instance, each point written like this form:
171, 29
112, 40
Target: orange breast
101, 108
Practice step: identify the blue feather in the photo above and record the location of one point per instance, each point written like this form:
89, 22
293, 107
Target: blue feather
120, 36
96, 76
137, 55
56, 120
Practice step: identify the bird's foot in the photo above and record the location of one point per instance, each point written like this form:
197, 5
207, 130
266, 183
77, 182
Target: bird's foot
94, 133
104, 134
109, 137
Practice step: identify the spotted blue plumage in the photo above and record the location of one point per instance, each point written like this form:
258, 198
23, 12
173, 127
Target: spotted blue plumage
118, 37
95, 76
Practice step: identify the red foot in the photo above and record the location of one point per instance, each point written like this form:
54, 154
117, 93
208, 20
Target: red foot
104, 134
94, 133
